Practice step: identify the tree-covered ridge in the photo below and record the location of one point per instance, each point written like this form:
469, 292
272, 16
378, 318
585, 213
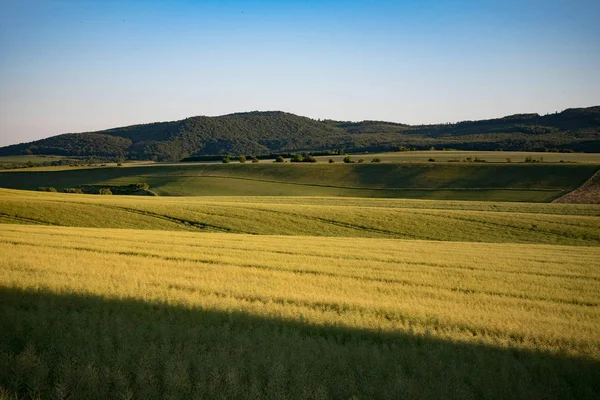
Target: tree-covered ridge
271, 132
74, 144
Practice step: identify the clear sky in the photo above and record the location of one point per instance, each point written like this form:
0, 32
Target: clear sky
72, 66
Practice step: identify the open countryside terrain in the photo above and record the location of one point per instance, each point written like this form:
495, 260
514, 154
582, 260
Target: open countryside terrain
429, 229
378, 218
99, 313
301, 281
468, 156
534, 182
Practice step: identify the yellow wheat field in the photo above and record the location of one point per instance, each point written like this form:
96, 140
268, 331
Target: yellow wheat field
116, 313
524, 296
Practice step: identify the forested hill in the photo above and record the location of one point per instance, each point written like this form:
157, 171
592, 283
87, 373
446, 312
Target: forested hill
256, 133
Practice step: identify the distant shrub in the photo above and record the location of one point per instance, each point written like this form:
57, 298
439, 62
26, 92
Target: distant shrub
361, 160
119, 164
432, 148
348, 160
431, 160
73, 190
255, 160
530, 159
376, 159
508, 159
309, 159
331, 161
226, 160
46, 189
242, 159
105, 191
297, 157
279, 159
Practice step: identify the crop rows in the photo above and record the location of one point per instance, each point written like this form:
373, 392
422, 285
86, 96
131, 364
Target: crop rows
182, 314
426, 220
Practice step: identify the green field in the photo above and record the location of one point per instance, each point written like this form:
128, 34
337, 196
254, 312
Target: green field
451, 181
488, 156
378, 218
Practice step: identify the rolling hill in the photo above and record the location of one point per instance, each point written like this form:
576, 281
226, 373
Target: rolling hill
534, 182
258, 133
556, 224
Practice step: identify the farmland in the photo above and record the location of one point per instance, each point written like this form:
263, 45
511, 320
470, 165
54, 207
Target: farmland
459, 156
301, 281
443, 181
99, 313
378, 218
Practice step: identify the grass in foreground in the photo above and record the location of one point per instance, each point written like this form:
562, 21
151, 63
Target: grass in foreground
99, 313
379, 218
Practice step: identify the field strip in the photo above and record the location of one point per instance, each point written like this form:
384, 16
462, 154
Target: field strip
358, 187
195, 224
337, 275
25, 219
300, 271
590, 219
490, 223
338, 223
181, 221
384, 255
342, 251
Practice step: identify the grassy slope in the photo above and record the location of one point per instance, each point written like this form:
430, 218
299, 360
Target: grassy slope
501, 182
93, 313
412, 219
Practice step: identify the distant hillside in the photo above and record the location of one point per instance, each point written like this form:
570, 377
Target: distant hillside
257, 133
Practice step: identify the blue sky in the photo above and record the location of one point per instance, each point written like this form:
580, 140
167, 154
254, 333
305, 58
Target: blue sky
72, 66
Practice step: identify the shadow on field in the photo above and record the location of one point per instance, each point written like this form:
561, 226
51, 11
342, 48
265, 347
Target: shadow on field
84, 346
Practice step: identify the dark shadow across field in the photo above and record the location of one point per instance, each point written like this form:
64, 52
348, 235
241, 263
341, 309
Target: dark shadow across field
85, 346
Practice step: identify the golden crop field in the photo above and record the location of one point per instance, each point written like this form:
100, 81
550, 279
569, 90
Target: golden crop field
119, 313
